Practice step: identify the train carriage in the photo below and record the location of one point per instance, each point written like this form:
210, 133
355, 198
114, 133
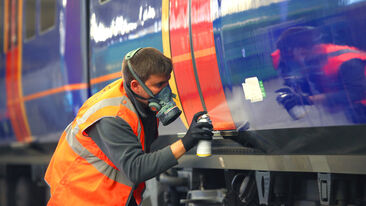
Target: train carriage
54, 54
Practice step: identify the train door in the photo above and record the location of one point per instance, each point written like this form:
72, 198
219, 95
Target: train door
42, 67
54, 64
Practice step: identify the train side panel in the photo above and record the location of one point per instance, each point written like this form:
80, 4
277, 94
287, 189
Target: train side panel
43, 82
237, 46
246, 36
58, 53
55, 54
50, 71
116, 28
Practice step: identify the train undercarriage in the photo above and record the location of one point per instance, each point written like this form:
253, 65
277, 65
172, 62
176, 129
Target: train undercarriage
196, 187
237, 175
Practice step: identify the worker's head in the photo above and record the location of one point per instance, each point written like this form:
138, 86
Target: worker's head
297, 43
146, 71
146, 62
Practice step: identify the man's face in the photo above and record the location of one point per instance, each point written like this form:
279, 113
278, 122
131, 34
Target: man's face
301, 54
155, 83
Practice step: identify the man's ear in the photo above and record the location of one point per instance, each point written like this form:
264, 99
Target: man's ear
135, 86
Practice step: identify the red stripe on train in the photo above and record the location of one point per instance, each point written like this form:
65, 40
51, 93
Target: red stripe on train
182, 60
207, 66
13, 95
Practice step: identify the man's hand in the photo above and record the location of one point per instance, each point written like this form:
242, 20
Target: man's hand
197, 131
288, 99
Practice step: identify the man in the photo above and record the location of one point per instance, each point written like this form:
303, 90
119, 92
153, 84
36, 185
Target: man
102, 157
329, 74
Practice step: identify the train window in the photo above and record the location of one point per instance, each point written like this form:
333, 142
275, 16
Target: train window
48, 14
30, 19
12, 23
1, 25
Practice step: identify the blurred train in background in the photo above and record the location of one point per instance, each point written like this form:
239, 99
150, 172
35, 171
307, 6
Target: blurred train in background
54, 54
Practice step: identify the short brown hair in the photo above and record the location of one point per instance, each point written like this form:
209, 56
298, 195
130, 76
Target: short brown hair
147, 61
298, 37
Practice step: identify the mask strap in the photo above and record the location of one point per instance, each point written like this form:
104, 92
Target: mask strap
128, 56
137, 94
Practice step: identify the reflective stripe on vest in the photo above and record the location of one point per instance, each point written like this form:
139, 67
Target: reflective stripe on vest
100, 165
337, 55
114, 101
342, 51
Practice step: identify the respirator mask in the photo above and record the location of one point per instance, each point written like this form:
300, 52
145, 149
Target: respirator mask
161, 103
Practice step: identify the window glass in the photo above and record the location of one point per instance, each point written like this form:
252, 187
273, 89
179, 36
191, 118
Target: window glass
30, 19
1, 25
48, 14
12, 23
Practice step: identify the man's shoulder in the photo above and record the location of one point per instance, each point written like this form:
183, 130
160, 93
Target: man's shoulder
113, 123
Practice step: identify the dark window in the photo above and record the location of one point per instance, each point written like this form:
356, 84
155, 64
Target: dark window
2, 26
30, 19
48, 14
12, 23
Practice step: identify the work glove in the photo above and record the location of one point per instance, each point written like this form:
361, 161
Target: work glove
197, 131
289, 99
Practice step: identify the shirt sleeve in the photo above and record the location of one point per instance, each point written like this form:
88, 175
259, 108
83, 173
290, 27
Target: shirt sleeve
117, 140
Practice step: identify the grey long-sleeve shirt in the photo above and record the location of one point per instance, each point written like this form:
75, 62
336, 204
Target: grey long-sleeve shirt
118, 142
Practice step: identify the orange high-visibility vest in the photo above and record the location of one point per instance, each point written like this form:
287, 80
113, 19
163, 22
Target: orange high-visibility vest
336, 56
79, 172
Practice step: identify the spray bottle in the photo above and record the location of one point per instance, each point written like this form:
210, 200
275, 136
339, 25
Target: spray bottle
204, 146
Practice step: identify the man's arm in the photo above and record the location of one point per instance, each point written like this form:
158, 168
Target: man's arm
118, 142
352, 79
352, 76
